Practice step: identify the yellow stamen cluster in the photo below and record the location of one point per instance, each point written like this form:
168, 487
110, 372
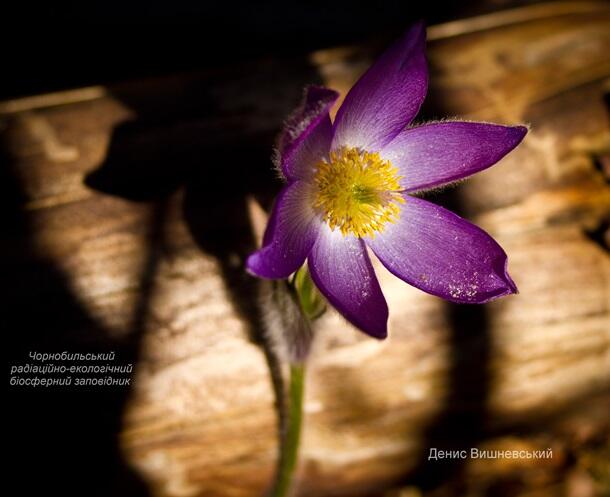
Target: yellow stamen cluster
357, 192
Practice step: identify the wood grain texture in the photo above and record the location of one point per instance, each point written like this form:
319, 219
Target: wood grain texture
138, 194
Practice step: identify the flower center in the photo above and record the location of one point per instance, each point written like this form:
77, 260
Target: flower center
357, 192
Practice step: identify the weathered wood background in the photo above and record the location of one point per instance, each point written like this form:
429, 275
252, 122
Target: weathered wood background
137, 201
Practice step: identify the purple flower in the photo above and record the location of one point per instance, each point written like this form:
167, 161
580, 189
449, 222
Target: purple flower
349, 186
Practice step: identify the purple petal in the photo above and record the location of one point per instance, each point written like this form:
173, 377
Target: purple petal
291, 232
440, 253
439, 153
307, 134
387, 97
342, 270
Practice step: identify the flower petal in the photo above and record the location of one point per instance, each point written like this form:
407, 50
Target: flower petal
440, 253
439, 153
307, 134
387, 97
342, 270
291, 232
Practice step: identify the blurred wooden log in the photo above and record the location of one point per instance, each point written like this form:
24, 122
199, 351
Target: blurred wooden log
201, 420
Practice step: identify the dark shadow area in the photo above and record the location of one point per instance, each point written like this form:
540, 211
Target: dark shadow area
61, 439
600, 236
461, 423
66, 44
211, 137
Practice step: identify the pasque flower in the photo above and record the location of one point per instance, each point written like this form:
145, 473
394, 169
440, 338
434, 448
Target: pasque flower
350, 185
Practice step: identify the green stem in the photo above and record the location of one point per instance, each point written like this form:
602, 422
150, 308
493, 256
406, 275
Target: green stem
292, 434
